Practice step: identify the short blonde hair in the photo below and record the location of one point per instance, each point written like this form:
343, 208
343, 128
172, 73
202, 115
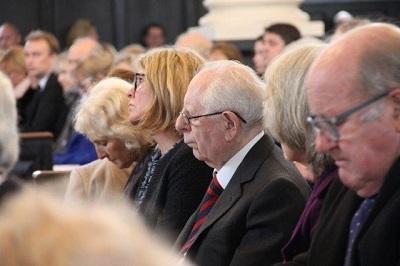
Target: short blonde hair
104, 114
13, 60
169, 71
286, 107
9, 148
90, 234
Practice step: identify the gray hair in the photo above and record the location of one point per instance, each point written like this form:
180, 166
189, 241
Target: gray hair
286, 107
234, 87
9, 148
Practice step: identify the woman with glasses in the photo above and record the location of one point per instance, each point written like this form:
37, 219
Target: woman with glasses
286, 112
169, 184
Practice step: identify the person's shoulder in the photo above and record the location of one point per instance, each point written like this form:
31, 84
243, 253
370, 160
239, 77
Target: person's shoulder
89, 167
9, 186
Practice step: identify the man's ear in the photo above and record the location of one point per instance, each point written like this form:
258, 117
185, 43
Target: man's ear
231, 124
395, 98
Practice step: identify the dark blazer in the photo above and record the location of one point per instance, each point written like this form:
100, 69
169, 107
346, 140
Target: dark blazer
47, 110
255, 214
378, 242
176, 189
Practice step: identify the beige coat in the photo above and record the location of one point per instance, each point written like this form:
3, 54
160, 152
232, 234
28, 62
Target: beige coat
96, 180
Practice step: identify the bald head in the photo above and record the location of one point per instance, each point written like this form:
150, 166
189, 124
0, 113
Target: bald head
366, 58
9, 36
81, 49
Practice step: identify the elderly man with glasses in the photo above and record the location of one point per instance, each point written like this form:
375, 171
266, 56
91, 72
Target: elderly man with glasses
353, 91
256, 196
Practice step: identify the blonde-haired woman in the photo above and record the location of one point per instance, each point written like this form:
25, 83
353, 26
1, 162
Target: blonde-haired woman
172, 181
103, 118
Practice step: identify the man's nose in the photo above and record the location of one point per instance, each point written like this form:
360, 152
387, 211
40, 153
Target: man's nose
324, 142
180, 124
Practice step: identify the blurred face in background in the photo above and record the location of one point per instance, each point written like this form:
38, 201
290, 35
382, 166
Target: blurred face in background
38, 58
8, 37
273, 46
64, 77
154, 37
258, 59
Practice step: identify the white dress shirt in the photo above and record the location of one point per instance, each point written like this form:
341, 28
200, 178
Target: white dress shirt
224, 175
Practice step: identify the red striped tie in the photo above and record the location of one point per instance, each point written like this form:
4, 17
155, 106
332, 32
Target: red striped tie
213, 192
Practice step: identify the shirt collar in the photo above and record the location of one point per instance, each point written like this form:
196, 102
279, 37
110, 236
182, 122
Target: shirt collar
42, 82
224, 175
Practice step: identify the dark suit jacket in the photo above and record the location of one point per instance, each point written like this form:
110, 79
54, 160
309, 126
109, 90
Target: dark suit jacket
255, 214
378, 242
176, 188
47, 109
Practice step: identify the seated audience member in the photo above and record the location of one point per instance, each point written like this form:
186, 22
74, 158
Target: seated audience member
196, 41
47, 109
103, 118
9, 136
259, 62
153, 35
276, 37
88, 63
225, 50
286, 118
34, 232
12, 63
257, 194
9, 36
81, 49
93, 69
353, 93
71, 91
170, 183
81, 28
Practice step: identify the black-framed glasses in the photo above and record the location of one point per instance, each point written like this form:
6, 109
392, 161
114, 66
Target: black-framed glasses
187, 118
330, 125
138, 79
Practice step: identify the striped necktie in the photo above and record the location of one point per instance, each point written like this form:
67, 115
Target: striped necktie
356, 223
211, 196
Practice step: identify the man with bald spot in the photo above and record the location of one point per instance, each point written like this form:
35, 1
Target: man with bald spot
353, 91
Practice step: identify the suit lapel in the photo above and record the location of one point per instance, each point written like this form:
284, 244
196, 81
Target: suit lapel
245, 173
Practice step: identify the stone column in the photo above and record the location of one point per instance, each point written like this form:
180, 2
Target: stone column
246, 19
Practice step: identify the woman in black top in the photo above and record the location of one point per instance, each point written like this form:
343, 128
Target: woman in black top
170, 183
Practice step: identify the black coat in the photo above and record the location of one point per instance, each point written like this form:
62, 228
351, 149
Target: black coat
255, 214
378, 242
176, 189
46, 110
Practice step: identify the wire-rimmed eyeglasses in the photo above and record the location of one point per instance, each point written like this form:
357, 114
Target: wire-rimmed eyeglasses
330, 125
187, 118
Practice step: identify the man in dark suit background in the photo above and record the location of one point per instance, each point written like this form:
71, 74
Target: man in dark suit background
263, 194
46, 111
353, 90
